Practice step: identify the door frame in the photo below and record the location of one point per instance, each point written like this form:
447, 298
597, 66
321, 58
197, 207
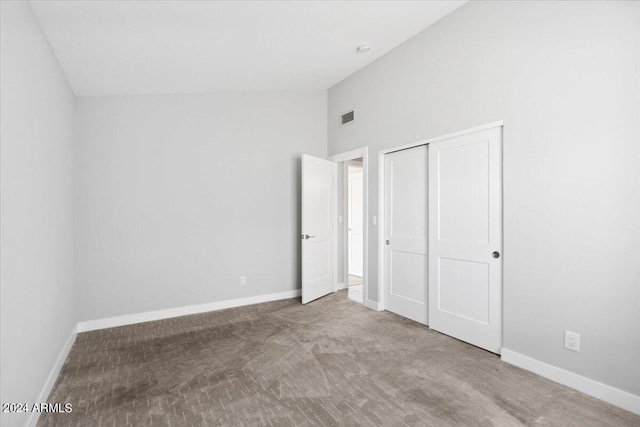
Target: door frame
381, 202
363, 153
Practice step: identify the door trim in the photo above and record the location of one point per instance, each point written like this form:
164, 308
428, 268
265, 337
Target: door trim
363, 153
381, 230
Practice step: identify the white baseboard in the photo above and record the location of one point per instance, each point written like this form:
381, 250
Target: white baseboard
609, 394
373, 305
341, 286
130, 319
53, 376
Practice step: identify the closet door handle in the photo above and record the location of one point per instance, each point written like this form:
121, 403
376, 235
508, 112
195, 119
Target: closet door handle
496, 254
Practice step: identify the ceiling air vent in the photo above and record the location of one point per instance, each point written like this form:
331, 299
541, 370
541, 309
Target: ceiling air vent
347, 118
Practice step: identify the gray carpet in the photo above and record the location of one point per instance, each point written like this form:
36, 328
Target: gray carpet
331, 362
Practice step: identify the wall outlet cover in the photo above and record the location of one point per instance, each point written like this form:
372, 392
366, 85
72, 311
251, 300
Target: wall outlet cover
572, 341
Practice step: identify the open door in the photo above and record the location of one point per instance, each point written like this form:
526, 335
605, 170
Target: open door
318, 180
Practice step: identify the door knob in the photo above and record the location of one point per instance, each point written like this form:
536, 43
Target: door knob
307, 236
496, 254
387, 242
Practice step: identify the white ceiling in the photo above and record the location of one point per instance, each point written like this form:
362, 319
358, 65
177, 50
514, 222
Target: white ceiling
152, 47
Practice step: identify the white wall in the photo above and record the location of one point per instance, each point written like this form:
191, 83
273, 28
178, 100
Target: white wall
564, 77
36, 239
180, 195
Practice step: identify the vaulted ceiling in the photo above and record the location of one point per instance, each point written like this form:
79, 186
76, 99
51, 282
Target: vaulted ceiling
156, 47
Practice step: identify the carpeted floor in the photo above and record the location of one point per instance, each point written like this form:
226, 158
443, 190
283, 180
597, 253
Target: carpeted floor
331, 362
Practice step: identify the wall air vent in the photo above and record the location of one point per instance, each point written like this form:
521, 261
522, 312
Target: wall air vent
347, 118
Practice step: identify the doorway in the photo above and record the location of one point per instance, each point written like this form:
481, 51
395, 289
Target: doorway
352, 225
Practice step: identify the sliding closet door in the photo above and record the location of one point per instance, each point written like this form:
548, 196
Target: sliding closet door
465, 238
405, 228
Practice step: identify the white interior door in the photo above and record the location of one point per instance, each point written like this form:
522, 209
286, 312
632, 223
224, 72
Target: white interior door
355, 219
465, 238
318, 178
405, 228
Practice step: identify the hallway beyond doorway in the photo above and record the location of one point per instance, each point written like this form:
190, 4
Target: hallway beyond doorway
355, 288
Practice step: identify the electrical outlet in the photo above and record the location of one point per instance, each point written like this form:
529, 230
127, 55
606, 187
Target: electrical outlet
572, 341
243, 280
